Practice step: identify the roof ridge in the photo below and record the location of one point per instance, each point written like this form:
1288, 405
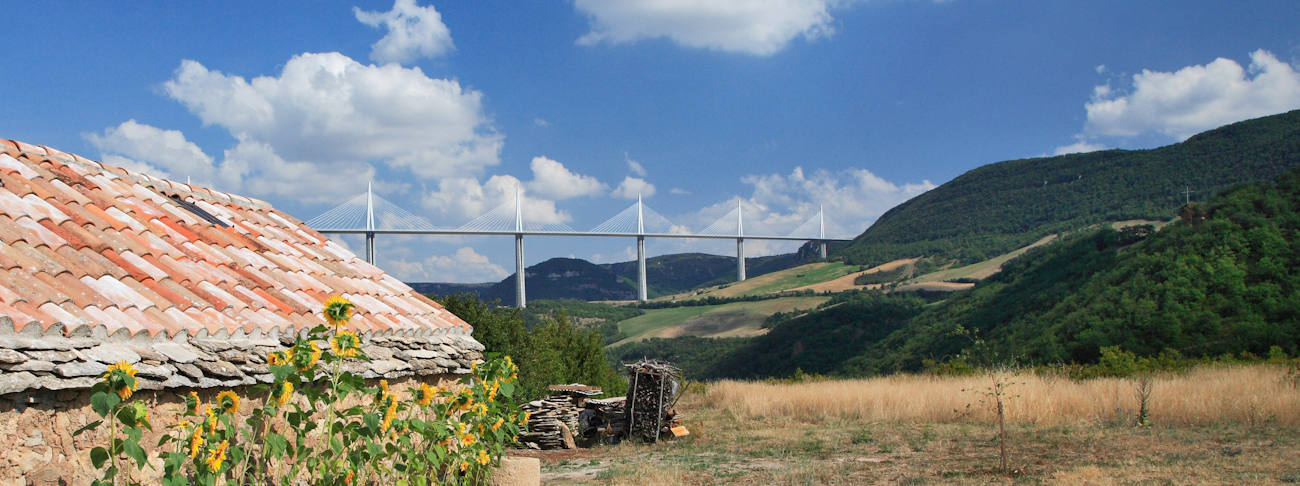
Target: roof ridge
145, 179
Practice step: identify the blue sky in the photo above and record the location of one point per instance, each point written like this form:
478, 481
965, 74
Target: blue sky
788, 105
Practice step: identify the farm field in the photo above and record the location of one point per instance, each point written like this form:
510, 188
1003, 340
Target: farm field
736, 319
1222, 425
787, 279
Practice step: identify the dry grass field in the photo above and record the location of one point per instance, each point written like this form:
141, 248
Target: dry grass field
1217, 425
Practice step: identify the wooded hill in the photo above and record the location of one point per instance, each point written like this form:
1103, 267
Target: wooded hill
1224, 279
571, 278
999, 207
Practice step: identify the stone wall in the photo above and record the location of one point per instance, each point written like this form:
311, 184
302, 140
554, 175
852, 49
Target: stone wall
55, 359
39, 449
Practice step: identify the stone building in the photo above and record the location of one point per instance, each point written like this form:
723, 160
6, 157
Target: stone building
99, 264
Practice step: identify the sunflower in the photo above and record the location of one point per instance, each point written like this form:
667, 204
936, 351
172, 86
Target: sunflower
463, 466
500, 420
228, 401
307, 357
216, 456
192, 403
283, 393
338, 311
468, 440
389, 414
196, 442
120, 377
492, 390
212, 420
524, 419
345, 344
275, 358
122, 366
424, 395
483, 457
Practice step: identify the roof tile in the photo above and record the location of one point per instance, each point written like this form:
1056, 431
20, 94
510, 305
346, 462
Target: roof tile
92, 263
117, 292
111, 247
21, 319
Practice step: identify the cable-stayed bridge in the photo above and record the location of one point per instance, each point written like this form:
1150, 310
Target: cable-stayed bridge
370, 215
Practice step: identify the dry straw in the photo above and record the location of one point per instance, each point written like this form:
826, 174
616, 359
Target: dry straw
1255, 394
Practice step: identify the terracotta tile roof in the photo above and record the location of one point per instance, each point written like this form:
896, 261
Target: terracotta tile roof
88, 249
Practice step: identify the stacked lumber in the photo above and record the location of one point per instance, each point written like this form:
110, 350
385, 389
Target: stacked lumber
655, 387
553, 421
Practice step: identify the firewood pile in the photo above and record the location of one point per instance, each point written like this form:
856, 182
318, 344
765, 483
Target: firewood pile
604, 420
570, 418
655, 388
553, 421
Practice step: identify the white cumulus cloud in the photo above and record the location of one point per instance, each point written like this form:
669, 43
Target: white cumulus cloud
633, 166
461, 199
551, 179
466, 265
756, 27
414, 32
331, 111
162, 153
852, 200
1080, 145
1195, 98
633, 187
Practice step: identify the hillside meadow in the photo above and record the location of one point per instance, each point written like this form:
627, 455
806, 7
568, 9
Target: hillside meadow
1218, 424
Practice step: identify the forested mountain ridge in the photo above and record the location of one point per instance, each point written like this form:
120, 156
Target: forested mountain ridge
572, 278
998, 207
1223, 279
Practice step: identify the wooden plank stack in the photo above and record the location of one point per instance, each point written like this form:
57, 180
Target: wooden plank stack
552, 423
654, 388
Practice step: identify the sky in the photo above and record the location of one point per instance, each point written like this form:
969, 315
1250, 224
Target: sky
786, 107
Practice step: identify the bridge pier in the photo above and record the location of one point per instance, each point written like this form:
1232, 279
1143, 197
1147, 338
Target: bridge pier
740, 259
370, 248
520, 301
642, 293
823, 248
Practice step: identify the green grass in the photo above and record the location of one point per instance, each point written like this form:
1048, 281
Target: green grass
736, 318
800, 276
787, 279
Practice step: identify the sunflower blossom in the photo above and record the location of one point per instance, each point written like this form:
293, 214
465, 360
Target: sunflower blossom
424, 395
121, 377
212, 420
192, 403
500, 420
216, 456
468, 440
338, 311
345, 344
308, 358
228, 401
389, 414
196, 442
275, 358
285, 392
483, 457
